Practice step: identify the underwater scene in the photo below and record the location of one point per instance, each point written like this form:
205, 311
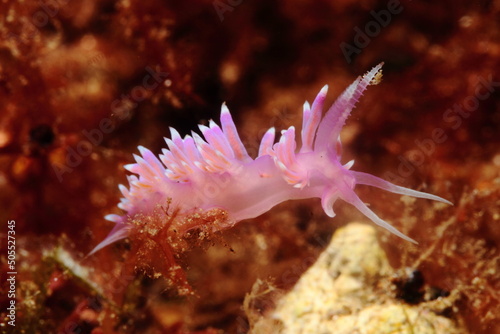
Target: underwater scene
236, 166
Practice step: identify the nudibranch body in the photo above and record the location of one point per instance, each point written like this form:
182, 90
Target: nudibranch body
217, 173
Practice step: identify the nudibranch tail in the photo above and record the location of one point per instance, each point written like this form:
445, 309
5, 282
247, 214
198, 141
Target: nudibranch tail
213, 171
119, 232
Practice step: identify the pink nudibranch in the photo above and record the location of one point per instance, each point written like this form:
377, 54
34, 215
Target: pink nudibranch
217, 172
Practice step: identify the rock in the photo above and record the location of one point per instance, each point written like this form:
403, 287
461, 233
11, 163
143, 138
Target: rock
343, 292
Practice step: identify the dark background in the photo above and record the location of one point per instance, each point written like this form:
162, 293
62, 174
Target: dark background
67, 128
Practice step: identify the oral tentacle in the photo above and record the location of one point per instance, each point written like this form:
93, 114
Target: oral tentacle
371, 180
350, 197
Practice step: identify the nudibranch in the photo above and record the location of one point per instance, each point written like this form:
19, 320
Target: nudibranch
216, 172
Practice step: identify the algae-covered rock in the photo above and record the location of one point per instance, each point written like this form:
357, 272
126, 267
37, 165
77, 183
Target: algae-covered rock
345, 291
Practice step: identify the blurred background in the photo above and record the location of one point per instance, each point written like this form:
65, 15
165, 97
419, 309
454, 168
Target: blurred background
83, 83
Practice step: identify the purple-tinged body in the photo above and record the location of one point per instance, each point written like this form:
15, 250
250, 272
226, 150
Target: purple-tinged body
217, 172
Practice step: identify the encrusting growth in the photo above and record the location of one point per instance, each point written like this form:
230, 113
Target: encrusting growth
198, 174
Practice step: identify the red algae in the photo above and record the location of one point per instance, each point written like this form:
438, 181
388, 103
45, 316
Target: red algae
75, 105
